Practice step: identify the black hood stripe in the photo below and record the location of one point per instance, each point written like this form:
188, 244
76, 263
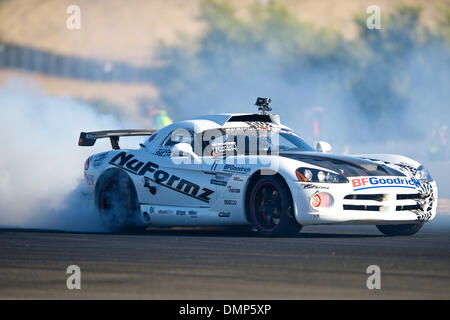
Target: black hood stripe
346, 165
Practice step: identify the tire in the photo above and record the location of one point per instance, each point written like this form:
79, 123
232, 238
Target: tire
117, 202
271, 209
400, 229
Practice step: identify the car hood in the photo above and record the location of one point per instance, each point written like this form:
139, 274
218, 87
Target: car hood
348, 166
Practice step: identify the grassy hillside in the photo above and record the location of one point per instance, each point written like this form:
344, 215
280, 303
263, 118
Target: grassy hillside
131, 30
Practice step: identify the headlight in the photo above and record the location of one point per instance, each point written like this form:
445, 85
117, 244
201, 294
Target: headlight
315, 175
423, 175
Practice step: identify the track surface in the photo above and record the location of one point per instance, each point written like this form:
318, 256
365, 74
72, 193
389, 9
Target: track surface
322, 262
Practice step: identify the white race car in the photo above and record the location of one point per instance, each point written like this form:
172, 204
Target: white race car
249, 169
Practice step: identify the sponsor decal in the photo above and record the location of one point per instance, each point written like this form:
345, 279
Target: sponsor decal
192, 213
233, 190
218, 182
181, 213
222, 148
163, 152
376, 182
259, 125
313, 186
233, 168
251, 128
224, 214
164, 211
238, 179
99, 159
147, 185
230, 202
151, 210
130, 164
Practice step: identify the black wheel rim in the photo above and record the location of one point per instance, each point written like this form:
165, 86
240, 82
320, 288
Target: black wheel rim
267, 206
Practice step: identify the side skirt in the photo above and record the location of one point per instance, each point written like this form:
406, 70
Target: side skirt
166, 216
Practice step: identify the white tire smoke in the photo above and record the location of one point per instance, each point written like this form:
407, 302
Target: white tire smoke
41, 165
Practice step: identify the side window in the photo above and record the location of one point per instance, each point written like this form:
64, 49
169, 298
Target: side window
178, 136
152, 137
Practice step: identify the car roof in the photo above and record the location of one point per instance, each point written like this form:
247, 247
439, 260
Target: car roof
218, 121
231, 120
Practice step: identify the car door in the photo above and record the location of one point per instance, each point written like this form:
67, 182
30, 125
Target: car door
181, 183
227, 169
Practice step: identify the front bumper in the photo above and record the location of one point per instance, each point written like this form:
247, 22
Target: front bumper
381, 205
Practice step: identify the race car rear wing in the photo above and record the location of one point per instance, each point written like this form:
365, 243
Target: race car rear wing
88, 139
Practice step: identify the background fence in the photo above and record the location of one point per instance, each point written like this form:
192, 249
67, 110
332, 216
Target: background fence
44, 62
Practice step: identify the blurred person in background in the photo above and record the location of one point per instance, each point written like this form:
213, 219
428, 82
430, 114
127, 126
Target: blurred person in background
437, 145
155, 118
161, 119
313, 122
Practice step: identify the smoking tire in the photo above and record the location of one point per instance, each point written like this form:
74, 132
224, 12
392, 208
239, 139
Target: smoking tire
271, 208
117, 201
400, 229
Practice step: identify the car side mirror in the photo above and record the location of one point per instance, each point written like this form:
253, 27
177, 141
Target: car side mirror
323, 146
183, 150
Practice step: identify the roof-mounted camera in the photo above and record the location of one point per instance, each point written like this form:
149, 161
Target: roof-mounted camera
263, 105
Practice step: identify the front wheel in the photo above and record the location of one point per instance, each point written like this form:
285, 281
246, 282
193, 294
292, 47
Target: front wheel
271, 208
400, 229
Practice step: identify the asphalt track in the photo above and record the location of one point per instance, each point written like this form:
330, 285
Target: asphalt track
321, 262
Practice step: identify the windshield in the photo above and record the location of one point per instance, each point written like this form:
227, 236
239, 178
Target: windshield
289, 141
250, 142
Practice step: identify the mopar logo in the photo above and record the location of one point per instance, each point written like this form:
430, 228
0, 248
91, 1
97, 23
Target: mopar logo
375, 182
134, 166
233, 190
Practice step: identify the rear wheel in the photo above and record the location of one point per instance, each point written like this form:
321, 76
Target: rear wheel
271, 209
400, 229
117, 202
